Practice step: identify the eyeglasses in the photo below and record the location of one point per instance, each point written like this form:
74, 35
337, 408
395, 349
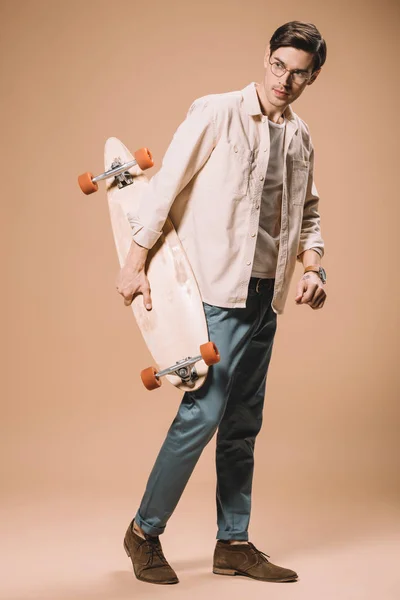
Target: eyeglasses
299, 77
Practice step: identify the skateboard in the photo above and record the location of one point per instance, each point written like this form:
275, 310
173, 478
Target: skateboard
175, 329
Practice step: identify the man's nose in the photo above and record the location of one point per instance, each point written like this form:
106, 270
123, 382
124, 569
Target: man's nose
284, 79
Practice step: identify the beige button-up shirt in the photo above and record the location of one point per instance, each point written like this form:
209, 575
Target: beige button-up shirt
210, 184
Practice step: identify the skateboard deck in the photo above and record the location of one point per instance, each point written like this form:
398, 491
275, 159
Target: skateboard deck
176, 326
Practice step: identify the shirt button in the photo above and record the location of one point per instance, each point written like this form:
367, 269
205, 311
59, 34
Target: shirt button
265, 149
263, 119
261, 177
253, 235
248, 263
258, 206
235, 148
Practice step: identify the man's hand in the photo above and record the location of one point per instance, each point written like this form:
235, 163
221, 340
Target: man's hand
132, 279
310, 290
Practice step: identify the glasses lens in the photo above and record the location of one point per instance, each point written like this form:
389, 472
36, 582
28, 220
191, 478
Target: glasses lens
277, 69
300, 77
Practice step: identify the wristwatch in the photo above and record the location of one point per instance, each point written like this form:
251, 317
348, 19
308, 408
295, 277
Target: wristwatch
317, 269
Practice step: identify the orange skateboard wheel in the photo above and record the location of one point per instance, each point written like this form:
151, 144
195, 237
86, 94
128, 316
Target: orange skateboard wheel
209, 353
144, 158
149, 379
86, 184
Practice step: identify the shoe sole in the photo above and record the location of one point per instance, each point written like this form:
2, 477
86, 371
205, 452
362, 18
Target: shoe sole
218, 571
147, 580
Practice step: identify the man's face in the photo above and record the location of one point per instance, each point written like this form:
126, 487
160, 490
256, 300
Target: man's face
292, 84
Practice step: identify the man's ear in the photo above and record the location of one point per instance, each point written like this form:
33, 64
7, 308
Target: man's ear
266, 56
314, 76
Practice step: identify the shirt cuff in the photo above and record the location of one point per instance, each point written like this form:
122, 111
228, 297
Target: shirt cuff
317, 250
144, 236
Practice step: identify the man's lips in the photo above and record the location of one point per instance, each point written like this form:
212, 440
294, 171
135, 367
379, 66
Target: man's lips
281, 92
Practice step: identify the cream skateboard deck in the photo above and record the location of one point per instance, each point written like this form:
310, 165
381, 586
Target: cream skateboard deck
175, 329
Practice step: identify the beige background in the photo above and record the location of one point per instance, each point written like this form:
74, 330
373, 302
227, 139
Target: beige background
78, 431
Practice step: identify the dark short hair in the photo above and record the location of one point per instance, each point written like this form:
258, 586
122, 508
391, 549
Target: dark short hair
303, 36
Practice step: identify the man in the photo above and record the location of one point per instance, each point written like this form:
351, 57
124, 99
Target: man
237, 181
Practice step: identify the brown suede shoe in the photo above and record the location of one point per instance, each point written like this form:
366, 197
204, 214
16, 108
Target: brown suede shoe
149, 562
245, 559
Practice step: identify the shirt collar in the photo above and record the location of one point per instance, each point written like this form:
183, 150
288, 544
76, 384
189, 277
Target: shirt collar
252, 103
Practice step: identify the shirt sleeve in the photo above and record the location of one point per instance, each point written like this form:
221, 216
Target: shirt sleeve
189, 149
318, 251
310, 236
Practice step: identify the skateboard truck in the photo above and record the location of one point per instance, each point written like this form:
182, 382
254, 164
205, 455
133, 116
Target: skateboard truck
143, 158
124, 178
184, 368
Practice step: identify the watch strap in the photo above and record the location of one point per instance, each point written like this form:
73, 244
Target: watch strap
314, 268
317, 269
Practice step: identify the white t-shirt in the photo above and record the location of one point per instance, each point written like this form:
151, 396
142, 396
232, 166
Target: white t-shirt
267, 246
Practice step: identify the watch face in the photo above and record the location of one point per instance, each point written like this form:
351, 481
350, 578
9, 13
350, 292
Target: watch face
322, 273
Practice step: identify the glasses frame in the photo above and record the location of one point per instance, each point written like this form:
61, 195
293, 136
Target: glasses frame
291, 71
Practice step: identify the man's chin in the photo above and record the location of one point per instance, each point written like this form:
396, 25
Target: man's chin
276, 102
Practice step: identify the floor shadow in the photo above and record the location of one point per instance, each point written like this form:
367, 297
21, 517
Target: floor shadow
123, 585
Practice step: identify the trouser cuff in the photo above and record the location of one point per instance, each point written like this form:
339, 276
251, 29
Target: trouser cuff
147, 528
233, 535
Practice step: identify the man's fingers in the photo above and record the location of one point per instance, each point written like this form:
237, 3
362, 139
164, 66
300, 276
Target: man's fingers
128, 300
302, 286
147, 297
319, 300
309, 292
128, 296
309, 295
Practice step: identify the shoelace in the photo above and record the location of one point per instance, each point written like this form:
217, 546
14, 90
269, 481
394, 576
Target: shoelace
154, 548
262, 555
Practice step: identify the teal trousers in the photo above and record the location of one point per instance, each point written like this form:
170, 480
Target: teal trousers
230, 402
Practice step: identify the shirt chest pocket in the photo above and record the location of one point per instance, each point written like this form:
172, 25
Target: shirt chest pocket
298, 181
234, 164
